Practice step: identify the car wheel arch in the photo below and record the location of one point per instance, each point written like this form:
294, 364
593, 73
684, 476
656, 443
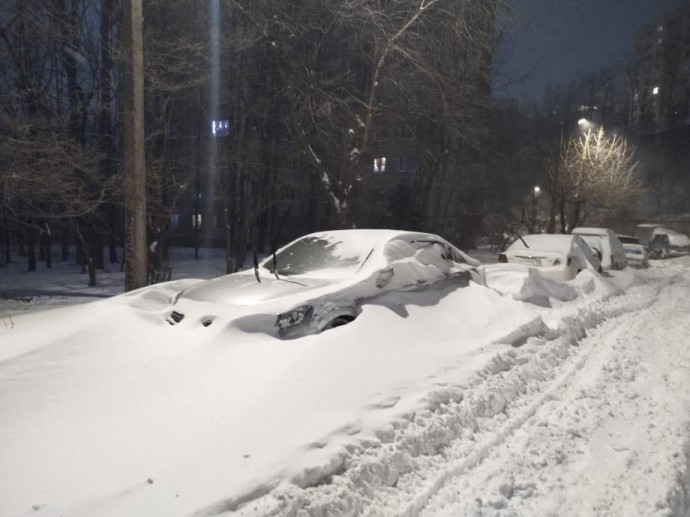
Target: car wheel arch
333, 314
338, 321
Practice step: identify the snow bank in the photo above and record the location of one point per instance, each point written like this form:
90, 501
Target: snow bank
460, 427
377, 417
528, 284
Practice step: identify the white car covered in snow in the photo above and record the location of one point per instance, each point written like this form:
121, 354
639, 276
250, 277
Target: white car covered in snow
557, 256
635, 253
668, 243
320, 281
606, 244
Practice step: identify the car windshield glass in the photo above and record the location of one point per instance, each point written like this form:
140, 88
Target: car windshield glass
313, 253
544, 242
628, 240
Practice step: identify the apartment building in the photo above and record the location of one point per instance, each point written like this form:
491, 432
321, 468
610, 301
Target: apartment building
661, 96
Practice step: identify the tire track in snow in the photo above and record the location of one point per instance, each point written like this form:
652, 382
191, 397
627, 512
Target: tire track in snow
612, 451
417, 456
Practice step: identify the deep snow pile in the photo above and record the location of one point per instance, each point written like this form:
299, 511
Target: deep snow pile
425, 406
590, 418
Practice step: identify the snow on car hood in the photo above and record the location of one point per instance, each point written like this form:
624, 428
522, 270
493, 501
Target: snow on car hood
245, 289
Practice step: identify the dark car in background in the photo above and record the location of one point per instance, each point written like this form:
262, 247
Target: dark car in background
668, 243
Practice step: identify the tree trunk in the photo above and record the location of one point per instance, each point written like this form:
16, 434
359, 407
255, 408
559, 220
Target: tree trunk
230, 262
47, 243
31, 247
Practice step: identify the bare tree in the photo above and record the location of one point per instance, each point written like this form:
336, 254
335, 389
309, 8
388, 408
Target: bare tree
351, 69
176, 74
597, 172
49, 169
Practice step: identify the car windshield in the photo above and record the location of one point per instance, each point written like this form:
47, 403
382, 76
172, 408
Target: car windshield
625, 239
544, 242
313, 253
592, 236
594, 241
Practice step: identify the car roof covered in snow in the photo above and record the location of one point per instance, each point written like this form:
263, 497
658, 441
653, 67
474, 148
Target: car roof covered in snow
590, 230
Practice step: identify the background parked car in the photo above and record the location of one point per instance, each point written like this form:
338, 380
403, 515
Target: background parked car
635, 253
668, 243
558, 256
645, 232
607, 243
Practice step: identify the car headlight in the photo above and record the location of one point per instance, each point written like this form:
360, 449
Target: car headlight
294, 317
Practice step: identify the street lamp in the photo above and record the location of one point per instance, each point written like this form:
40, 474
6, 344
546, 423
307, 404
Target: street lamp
535, 194
585, 124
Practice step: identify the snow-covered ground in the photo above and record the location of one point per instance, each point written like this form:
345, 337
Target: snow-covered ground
526, 398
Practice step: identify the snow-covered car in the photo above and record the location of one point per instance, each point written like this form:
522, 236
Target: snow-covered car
635, 253
606, 243
321, 280
558, 256
645, 231
668, 243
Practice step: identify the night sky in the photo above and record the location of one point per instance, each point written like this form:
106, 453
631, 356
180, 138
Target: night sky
555, 40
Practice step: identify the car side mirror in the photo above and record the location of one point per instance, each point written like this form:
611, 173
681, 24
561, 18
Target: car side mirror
384, 276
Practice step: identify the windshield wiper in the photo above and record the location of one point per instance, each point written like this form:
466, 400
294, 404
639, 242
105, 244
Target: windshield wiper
275, 263
523, 240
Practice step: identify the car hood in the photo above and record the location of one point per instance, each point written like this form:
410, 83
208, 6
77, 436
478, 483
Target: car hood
246, 290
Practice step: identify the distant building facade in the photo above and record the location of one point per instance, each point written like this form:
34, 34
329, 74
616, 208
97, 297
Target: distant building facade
661, 93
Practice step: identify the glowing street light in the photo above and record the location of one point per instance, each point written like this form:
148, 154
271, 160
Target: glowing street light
585, 124
535, 194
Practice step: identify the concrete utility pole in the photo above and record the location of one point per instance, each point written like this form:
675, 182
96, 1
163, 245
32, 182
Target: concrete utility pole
134, 173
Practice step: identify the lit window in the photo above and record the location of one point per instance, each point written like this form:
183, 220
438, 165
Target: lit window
380, 164
220, 127
659, 41
660, 28
655, 90
196, 220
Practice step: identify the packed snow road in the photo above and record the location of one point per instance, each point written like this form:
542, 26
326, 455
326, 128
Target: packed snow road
590, 418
